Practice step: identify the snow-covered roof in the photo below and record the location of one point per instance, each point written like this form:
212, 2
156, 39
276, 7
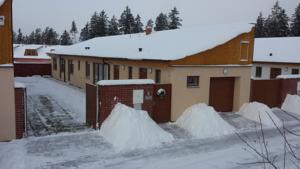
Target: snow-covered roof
163, 45
125, 82
279, 50
1, 2
42, 50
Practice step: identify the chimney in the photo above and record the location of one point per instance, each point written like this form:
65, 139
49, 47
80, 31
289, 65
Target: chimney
148, 30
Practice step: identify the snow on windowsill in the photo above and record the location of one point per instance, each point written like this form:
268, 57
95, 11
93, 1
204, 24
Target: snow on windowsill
288, 77
125, 82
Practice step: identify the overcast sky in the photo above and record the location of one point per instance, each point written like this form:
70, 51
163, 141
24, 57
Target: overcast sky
30, 14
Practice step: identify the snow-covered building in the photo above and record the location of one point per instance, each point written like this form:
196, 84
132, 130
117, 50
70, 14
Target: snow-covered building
7, 94
210, 64
276, 56
33, 59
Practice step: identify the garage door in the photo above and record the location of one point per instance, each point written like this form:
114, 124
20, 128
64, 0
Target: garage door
221, 94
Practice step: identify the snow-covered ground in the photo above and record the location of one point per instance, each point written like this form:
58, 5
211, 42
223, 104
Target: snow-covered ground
53, 106
89, 150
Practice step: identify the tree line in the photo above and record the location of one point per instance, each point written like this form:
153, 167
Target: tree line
100, 25
278, 24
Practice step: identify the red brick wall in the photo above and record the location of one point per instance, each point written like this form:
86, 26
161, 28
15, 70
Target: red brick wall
20, 111
109, 96
23, 70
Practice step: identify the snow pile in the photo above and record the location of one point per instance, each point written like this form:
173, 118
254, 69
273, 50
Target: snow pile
203, 121
254, 110
12, 155
291, 104
288, 77
19, 85
125, 82
130, 129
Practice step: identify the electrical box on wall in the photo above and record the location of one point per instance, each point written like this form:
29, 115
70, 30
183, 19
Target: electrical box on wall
2, 20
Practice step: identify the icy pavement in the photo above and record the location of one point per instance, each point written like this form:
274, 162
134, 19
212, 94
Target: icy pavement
53, 107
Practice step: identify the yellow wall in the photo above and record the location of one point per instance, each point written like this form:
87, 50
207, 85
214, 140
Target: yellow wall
183, 97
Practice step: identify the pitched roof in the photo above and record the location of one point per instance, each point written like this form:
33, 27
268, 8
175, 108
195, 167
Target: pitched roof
42, 50
163, 45
278, 50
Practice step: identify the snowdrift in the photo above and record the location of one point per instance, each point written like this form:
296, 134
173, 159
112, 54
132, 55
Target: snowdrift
129, 129
202, 121
291, 104
254, 110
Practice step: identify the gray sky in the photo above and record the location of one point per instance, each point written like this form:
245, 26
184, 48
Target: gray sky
30, 14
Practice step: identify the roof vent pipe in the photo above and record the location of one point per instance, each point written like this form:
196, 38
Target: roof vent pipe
87, 48
140, 49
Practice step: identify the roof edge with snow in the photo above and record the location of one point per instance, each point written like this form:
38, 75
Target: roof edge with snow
125, 82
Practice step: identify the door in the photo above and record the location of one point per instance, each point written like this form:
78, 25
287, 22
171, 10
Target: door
143, 73
275, 72
221, 93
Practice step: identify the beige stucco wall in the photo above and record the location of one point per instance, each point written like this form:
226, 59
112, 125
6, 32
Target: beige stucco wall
183, 97
7, 104
79, 79
286, 69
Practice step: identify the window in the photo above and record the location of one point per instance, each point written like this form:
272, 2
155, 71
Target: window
116, 72
193, 81
31, 52
295, 71
62, 65
157, 75
70, 69
87, 69
275, 72
143, 73
244, 50
129, 72
54, 64
258, 72
78, 64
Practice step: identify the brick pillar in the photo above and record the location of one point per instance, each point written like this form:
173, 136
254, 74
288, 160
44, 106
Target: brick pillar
20, 98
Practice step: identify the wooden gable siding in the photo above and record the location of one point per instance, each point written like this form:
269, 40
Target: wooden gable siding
228, 53
6, 33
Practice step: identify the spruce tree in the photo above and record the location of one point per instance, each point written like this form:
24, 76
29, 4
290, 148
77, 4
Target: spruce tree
102, 26
175, 21
138, 25
38, 36
85, 33
50, 37
161, 22
277, 23
126, 22
20, 37
260, 26
150, 23
94, 25
113, 27
31, 38
295, 25
74, 32
65, 38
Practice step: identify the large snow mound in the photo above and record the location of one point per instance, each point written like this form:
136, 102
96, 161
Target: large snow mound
203, 121
291, 104
129, 129
254, 110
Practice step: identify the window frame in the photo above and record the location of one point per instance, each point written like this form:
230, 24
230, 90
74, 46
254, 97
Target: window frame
295, 71
258, 71
191, 85
87, 70
141, 71
129, 72
157, 76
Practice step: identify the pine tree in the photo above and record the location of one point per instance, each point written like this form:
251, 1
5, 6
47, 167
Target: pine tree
175, 21
74, 32
65, 38
138, 25
260, 26
150, 23
277, 23
85, 33
93, 25
20, 37
113, 27
50, 37
126, 21
38, 36
161, 22
102, 27
31, 38
295, 25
